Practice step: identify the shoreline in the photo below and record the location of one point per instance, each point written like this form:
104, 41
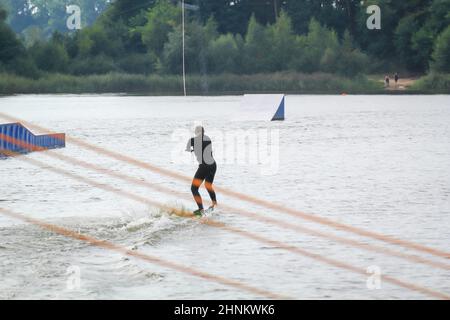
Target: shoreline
216, 85
230, 94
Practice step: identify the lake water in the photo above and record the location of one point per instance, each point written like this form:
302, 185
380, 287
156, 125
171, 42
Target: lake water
379, 163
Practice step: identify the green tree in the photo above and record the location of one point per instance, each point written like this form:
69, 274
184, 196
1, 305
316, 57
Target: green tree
256, 48
197, 40
282, 40
13, 56
32, 35
162, 19
422, 43
103, 38
10, 46
441, 54
224, 54
320, 41
127, 9
403, 41
439, 15
138, 63
435, 19
50, 56
301, 56
233, 16
339, 15
171, 58
351, 61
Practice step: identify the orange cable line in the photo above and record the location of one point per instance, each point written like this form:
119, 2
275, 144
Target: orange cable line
243, 212
330, 261
142, 256
251, 199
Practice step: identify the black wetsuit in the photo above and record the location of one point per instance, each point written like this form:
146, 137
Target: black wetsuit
202, 147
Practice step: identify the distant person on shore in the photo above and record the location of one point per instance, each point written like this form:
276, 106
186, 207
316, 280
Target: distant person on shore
386, 81
201, 145
396, 77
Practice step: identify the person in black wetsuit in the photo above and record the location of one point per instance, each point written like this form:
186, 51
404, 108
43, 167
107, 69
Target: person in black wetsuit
201, 145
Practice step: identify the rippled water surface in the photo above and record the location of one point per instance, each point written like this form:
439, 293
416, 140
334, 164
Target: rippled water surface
378, 163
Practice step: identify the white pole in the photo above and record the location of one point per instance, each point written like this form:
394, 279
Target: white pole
184, 61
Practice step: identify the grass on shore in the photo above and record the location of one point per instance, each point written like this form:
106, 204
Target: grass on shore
196, 84
433, 83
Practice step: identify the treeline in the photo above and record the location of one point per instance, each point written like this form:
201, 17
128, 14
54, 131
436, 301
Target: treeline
240, 37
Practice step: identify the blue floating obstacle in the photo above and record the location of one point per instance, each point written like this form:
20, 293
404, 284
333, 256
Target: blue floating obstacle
14, 137
279, 115
262, 107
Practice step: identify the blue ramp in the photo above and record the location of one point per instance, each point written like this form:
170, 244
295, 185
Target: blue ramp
279, 115
14, 137
262, 107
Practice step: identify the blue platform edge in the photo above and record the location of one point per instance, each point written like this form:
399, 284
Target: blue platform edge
26, 139
279, 115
